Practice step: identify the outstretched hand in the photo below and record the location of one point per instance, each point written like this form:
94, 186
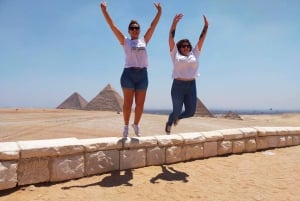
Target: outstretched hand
103, 5
177, 18
205, 21
158, 6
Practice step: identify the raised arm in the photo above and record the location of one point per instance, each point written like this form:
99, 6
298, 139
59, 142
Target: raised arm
153, 24
120, 36
203, 34
173, 29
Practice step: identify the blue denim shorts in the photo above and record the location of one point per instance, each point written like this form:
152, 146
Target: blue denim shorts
134, 78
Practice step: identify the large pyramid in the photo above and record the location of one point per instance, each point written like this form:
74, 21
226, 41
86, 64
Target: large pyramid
107, 100
201, 110
75, 101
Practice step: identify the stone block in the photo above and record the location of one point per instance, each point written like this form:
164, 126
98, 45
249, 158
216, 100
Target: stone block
102, 161
250, 145
140, 142
156, 156
193, 151
50, 148
282, 141
212, 136
224, 147
296, 140
238, 146
210, 149
192, 138
249, 132
8, 174
33, 170
231, 134
67, 167
273, 141
289, 140
174, 154
266, 131
9, 151
169, 140
262, 143
98, 144
132, 158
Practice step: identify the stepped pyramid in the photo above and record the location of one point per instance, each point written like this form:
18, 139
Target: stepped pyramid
75, 101
107, 100
201, 110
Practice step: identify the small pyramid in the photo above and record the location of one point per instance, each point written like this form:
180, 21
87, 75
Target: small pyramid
201, 110
75, 101
107, 100
232, 115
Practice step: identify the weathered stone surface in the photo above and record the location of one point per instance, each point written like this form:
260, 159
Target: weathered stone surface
193, 151
169, 140
282, 141
174, 154
33, 170
250, 145
156, 156
50, 148
231, 134
262, 143
8, 174
140, 142
98, 144
238, 146
249, 132
9, 151
133, 158
273, 141
210, 149
212, 136
67, 167
192, 138
293, 130
289, 140
224, 147
296, 139
101, 162
266, 131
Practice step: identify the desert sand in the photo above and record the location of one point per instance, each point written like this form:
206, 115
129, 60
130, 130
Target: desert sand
266, 175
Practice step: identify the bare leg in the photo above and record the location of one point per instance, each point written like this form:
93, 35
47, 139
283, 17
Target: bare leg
127, 105
140, 96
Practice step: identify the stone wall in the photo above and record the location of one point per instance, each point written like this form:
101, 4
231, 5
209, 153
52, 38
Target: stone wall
53, 160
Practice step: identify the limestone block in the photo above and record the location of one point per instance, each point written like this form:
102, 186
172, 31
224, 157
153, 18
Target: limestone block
132, 158
9, 151
293, 130
98, 144
296, 139
140, 142
169, 140
212, 136
67, 167
238, 146
249, 132
101, 162
289, 140
262, 143
50, 148
174, 154
231, 134
250, 145
33, 170
8, 174
282, 131
156, 156
266, 131
193, 151
192, 138
210, 149
273, 141
224, 147
282, 141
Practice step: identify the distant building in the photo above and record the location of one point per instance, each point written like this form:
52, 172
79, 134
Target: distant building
75, 101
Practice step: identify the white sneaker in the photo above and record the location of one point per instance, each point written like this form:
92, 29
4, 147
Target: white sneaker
125, 131
136, 130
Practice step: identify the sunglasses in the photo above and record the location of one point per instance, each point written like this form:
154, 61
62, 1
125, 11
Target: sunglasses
134, 28
185, 46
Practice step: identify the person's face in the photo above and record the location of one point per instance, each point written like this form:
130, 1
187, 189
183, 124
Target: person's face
185, 48
134, 31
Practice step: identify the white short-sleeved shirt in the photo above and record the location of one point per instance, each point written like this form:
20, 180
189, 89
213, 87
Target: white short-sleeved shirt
135, 53
185, 66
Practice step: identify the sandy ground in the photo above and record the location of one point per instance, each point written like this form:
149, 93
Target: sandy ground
261, 176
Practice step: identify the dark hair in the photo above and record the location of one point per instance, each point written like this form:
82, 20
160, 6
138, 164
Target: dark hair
179, 44
133, 22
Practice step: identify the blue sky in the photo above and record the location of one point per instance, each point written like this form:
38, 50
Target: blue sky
250, 59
